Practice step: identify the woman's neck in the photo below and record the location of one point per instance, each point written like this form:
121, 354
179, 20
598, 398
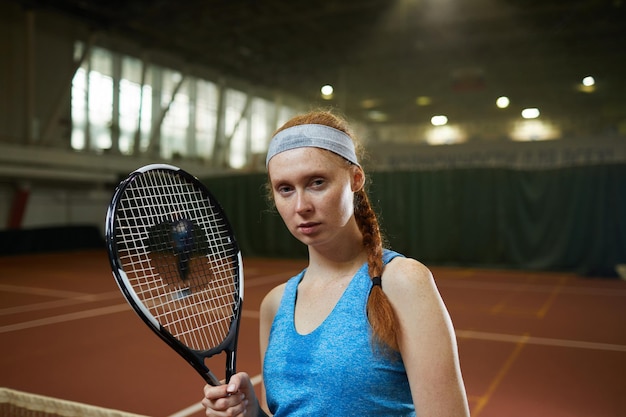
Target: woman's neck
339, 259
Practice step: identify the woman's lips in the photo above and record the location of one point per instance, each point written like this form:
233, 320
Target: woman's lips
307, 228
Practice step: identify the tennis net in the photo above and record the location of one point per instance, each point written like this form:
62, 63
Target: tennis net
21, 404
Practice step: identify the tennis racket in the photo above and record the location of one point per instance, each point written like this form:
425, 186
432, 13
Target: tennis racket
175, 258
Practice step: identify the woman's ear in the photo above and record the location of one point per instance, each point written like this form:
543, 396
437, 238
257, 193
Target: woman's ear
358, 178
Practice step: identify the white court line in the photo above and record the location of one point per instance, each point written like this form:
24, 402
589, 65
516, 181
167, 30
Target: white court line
544, 341
192, 409
41, 291
530, 287
96, 312
46, 305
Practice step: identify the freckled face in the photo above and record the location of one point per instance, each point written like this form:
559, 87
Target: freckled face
313, 192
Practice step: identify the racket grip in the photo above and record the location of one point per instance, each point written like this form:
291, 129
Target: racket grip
211, 379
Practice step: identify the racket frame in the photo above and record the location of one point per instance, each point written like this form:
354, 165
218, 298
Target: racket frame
194, 357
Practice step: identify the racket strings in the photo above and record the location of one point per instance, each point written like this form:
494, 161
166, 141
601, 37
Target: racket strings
177, 251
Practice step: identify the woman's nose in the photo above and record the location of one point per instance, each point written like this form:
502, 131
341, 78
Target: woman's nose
303, 204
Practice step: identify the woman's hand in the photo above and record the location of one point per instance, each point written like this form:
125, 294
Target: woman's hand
235, 399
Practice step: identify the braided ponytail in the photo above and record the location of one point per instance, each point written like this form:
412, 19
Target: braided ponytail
382, 318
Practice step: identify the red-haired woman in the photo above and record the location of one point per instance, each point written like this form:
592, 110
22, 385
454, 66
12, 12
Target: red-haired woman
362, 331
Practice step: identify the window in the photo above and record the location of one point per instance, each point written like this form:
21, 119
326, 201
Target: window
135, 107
187, 129
175, 100
206, 118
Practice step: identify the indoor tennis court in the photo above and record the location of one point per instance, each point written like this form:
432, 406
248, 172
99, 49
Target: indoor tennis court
494, 139
531, 343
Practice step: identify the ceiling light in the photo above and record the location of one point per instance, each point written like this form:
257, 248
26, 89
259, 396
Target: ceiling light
503, 102
327, 91
589, 81
439, 120
530, 113
587, 85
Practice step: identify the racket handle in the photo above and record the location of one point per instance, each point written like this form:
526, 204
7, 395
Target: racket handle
211, 379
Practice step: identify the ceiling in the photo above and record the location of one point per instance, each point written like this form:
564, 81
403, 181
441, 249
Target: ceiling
381, 55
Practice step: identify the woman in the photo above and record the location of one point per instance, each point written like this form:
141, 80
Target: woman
362, 330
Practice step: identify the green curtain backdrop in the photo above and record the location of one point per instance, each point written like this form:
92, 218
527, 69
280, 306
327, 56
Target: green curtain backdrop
570, 218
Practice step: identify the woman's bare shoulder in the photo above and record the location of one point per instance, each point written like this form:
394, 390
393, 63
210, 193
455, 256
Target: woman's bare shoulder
407, 274
271, 301
411, 287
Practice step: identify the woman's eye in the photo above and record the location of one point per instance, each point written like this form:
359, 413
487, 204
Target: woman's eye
283, 189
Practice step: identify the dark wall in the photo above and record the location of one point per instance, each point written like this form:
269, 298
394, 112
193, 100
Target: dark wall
570, 219
50, 239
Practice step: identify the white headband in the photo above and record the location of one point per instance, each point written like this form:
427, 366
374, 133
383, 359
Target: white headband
312, 135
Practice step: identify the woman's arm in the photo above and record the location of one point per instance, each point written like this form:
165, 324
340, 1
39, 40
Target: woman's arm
427, 340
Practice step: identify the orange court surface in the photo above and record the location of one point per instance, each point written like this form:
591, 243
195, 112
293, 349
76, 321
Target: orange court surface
531, 343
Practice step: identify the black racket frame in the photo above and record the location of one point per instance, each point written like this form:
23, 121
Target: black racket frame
195, 358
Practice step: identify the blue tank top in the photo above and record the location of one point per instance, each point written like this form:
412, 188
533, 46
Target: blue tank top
334, 370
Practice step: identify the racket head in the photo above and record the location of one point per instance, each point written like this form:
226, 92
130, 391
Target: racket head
174, 256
